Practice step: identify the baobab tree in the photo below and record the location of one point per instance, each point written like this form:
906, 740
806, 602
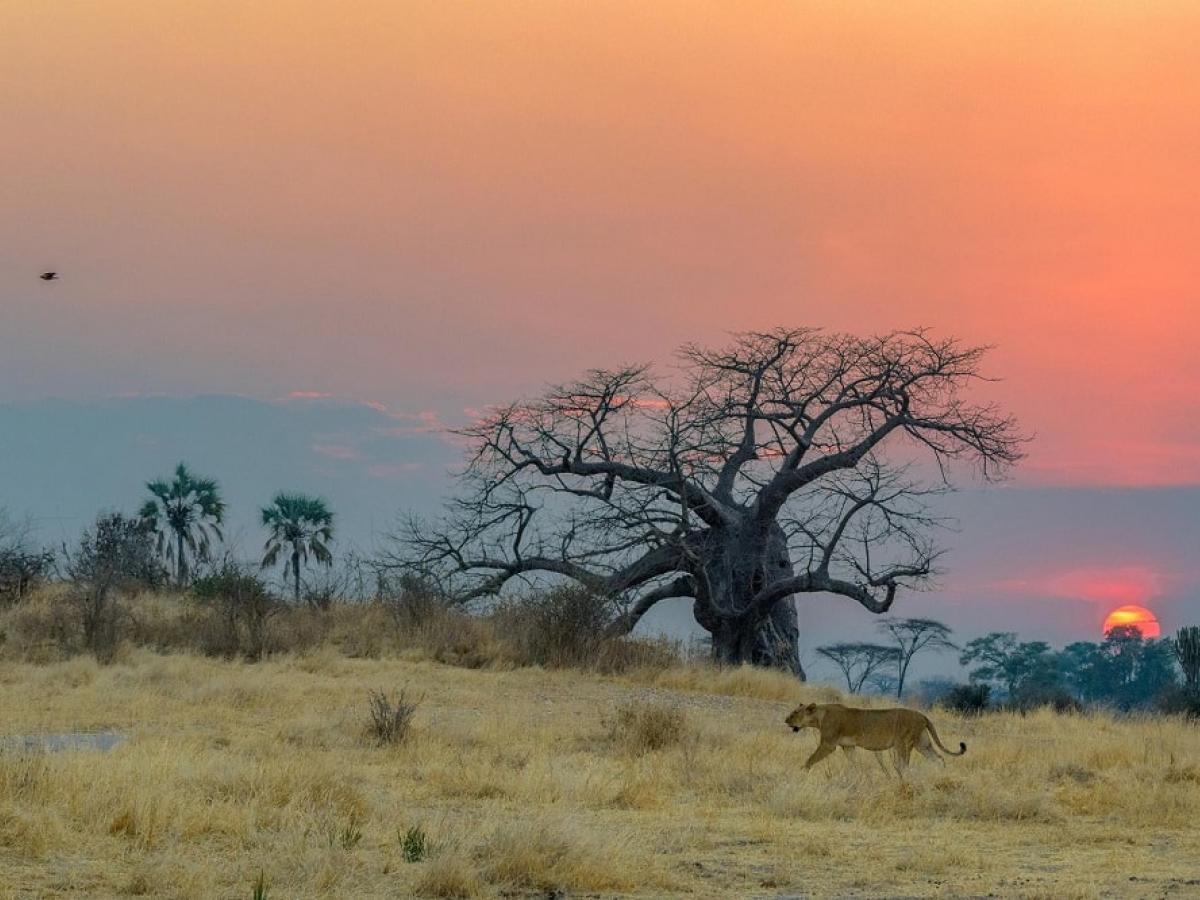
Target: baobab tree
752, 473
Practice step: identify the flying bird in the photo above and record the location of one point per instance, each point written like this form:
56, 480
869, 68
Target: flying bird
49, 276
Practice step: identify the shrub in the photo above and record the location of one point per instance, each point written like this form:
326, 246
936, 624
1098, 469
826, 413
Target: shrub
414, 844
22, 565
967, 699
561, 628
1179, 701
1056, 698
242, 604
116, 555
390, 721
411, 602
640, 728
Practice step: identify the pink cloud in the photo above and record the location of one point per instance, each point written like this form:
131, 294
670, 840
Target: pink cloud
309, 395
426, 421
336, 451
1116, 585
393, 470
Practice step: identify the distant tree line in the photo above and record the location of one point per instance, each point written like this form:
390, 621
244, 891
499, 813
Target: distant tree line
1125, 671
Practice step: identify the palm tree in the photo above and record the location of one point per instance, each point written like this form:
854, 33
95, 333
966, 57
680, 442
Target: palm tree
302, 524
186, 514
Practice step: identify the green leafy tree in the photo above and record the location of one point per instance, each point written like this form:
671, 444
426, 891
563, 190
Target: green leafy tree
185, 513
1004, 661
1138, 670
1085, 670
300, 526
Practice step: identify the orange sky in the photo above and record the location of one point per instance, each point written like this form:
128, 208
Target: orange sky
440, 204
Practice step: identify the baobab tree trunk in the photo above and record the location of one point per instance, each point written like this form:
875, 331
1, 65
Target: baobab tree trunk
738, 563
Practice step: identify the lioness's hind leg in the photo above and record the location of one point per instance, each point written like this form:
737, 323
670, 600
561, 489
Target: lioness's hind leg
925, 748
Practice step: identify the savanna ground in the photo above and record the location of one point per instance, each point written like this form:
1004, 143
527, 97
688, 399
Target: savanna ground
677, 780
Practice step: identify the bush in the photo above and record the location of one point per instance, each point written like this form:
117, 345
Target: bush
967, 699
242, 606
1179, 701
390, 720
22, 566
1056, 698
115, 556
411, 602
561, 628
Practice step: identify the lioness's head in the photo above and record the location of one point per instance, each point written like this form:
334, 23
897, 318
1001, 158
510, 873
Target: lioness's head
803, 717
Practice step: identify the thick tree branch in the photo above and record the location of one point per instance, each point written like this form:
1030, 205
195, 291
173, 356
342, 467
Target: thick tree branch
684, 586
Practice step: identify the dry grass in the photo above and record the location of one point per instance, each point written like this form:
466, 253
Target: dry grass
535, 632
640, 728
654, 783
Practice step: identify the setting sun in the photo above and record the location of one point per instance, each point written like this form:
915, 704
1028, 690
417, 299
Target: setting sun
1143, 618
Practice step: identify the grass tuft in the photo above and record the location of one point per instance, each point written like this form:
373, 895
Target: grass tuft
414, 844
390, 719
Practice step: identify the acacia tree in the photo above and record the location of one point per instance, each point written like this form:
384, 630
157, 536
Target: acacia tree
858, 661
755, 473
910, 637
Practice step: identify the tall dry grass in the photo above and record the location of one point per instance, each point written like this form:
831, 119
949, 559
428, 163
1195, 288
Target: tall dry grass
657, 782
561, 629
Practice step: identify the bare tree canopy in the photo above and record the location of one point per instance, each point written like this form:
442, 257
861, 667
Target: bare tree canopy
753, 473
910, 637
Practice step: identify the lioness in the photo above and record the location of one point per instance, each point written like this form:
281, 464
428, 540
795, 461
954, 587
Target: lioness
898, 730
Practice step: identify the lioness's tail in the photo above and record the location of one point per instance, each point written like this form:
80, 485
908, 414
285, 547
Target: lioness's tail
962, 745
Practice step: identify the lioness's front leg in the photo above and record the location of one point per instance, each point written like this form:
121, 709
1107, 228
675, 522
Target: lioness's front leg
822, 751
